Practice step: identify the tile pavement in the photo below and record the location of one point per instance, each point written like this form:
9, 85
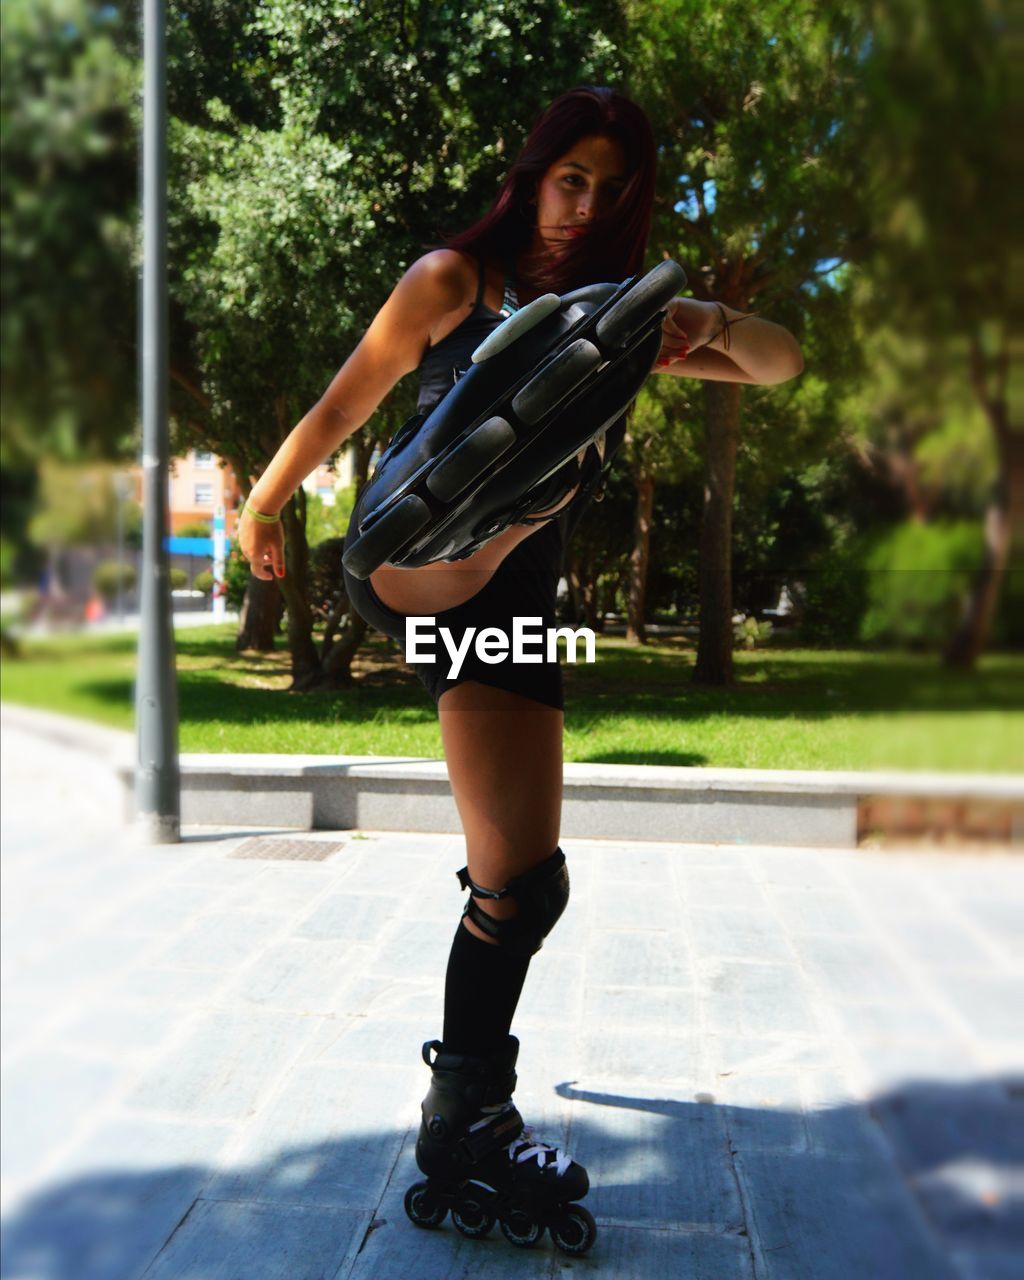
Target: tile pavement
776, 1063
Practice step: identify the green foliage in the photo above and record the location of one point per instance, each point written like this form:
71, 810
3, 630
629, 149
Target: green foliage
110, 576
236, 578
1009, 624
937, 85
8, 551
67, 224
917, 578
178, 579
323, 521
77, 505
761, 178
748, 633
367, 134
793, 709
197, 529
842, 167
831, 596
326, 585
203, 582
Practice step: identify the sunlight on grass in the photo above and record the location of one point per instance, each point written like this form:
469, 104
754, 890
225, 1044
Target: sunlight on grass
789, 709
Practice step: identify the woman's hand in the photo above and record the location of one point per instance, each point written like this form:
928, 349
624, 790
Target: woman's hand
688, 324
262, 545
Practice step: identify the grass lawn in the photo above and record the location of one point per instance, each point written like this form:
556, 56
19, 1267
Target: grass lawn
790, 708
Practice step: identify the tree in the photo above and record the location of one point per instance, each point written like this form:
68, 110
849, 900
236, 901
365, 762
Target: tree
937, 81
657, 446
77, 506
67, 225
367, 132
761, 168
67, 238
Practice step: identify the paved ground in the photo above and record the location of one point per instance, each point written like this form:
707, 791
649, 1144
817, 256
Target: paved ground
776, 1064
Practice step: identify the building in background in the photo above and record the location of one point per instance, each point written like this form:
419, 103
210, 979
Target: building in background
199, 483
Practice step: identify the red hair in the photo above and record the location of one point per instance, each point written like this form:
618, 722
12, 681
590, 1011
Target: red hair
614, 245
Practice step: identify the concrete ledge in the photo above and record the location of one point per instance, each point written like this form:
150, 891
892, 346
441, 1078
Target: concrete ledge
601, 801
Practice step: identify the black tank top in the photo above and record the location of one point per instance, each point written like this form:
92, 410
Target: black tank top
445, 362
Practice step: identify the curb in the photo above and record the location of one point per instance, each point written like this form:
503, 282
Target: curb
807, 808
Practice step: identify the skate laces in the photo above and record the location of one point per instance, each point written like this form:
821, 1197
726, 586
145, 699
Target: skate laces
527, 1145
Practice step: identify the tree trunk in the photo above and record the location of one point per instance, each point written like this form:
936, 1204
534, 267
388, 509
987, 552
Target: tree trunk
640, 556
721, 433
582, 578
337, 664
1004, 532
331, 667
261, 615
295, 588
362, 446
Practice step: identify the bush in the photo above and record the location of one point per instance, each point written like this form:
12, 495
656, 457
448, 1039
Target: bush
1008, 631
748, 633
197, 529
831, 597
108, 574
917, 577
178, 579
326, 584
236, 578
204, 581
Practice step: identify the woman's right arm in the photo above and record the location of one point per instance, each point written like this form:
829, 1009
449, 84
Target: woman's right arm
433, 287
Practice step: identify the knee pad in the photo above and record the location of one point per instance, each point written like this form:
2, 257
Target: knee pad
541, 894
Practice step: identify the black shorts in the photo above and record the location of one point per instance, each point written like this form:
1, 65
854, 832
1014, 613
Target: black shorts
524, 585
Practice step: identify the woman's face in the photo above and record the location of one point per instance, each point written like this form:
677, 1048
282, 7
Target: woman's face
580, 186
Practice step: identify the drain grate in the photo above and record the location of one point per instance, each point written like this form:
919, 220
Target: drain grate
276, 850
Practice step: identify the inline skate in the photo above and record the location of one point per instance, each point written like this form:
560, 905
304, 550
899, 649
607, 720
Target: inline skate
542, 387
484, 1165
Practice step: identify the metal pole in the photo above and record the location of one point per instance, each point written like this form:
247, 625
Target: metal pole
157, 779
217, 594
120, 495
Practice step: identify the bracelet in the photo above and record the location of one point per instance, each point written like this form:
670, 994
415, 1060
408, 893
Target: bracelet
726, 322
258, 516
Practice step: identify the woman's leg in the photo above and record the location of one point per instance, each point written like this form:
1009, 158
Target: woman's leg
447, 584
504, 755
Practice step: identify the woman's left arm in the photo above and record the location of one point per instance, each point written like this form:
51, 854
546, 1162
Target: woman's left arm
696, 342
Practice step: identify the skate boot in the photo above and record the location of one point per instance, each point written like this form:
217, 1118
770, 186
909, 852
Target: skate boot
483, 1163
542, 388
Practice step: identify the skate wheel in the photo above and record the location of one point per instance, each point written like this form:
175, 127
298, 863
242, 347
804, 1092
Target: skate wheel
470, 459
518, 323
576, 1231
591, 296
472, 1219
554, 382
422, 1207
383, 538
640, 304
522, 1230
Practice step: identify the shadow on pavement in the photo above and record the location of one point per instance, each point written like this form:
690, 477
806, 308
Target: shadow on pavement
917, 1188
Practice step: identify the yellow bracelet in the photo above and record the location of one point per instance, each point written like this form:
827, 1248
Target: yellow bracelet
258, 516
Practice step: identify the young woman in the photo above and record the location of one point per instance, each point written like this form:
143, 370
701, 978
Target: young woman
574, 209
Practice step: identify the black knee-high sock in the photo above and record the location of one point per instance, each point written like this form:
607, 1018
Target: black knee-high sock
481, 991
